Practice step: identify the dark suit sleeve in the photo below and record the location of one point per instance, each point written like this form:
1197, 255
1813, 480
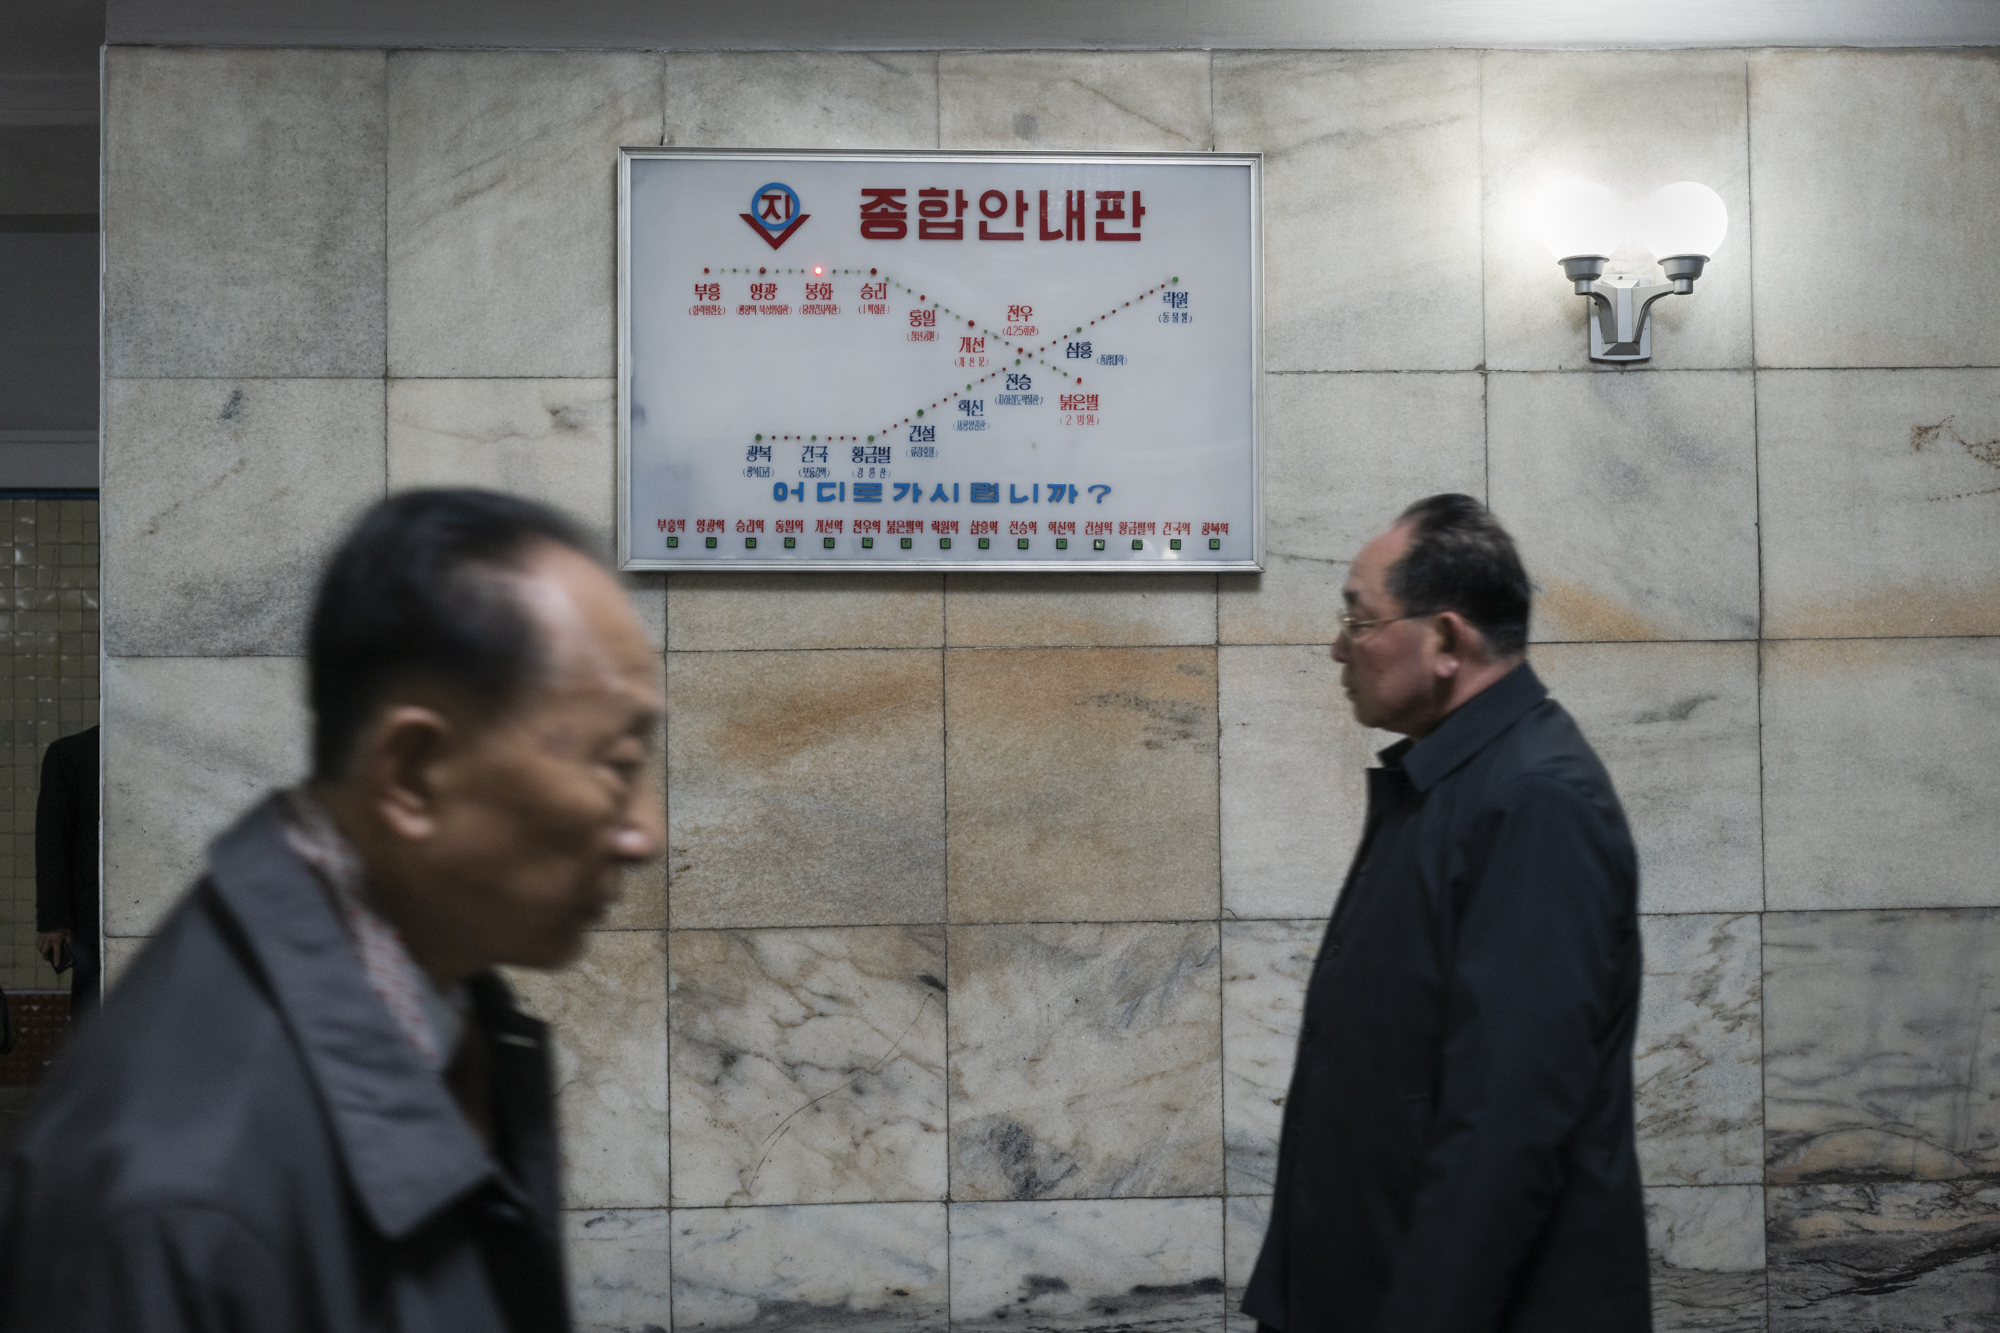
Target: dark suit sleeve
55, 846
1533, 990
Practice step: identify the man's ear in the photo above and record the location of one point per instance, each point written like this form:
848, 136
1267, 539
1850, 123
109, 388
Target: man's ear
404, 748
1458, 644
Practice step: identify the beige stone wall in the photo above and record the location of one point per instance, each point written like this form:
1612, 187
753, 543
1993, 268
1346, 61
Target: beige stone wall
990, 898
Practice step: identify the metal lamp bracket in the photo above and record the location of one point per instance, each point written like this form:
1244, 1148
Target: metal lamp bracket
1621, 327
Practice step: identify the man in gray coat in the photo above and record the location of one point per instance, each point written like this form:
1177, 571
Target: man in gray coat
310, 1104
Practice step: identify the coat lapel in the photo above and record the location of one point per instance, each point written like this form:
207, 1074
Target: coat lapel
407, 1149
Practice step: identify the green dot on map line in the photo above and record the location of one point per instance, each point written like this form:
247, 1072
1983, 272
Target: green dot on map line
920, 411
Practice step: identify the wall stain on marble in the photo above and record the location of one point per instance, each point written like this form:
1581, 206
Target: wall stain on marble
808, 1317
1985, 451
1891, 1256
1181, 1307
764, 734
1678, 711
1032, 1170
1171, 722
1591, 615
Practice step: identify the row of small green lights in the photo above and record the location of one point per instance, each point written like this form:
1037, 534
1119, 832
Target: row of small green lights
759, 438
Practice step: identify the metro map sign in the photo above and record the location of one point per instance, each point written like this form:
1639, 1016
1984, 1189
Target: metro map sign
928, 360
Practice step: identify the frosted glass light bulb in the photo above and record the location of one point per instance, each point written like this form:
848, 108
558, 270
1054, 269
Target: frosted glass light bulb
1579, 218
1685, 218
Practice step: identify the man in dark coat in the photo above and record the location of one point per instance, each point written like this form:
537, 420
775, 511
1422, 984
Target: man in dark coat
1457, 1151
310, 1105
66, 864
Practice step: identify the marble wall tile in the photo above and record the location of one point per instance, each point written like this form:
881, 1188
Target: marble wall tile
1633, 500
190, 744
1707, 1246
243, 213
1081, 783
503, 171
1894, 151
805, 788
550, 440
618, 1269
221, 499
608, 1013
1245, 1219
1342, 456
834, 1268
1697, 1067
1878, 768
1078, 610
1153, 1264
1079, 100
1265, 968
717, 612
1896, 1255
1676, 725
1883, 1038
1085, 1061
1880, 494
808, 1065
1371, 203
1293, 790
1632, 121
801, 99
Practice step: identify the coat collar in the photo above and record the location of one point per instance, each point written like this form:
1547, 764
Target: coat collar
407, 1148
1468, 729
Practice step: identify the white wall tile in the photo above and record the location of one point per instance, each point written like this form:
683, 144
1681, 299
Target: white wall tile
618, 1268
503, 170
243, 212
809, 1065
1085, 1061
1078, 610
1878, 764
1877, 202
1883, 1038
1371, 203
221, 500
1880, 492
550, 440
1342, 456
722, 611
1076, 100
805, 788
801, 99
824, 1269
190, 744
1633, 500
1088, 1264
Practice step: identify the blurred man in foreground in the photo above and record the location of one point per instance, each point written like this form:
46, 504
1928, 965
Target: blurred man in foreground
1457, 1151
310, 1104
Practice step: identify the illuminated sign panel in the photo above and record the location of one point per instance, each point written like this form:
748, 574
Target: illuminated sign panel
935, 360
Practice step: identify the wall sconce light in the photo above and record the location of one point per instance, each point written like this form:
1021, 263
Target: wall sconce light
1582, 224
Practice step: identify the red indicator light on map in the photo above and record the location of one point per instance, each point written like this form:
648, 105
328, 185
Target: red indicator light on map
817, 270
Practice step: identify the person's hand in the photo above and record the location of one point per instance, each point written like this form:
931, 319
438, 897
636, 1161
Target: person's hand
48, 941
